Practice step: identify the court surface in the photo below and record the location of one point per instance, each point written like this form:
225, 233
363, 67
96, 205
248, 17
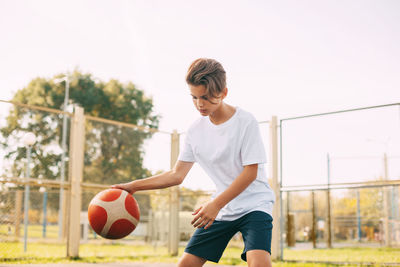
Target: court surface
125, 264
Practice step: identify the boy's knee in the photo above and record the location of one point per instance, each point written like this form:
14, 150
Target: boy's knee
188, 263
258, 258
183, 263
189, 260
260, 264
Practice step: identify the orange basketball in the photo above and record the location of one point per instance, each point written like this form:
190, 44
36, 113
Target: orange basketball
113, 213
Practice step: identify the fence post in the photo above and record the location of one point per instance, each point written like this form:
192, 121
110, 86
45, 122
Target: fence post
77, 142
328, 206
173, 243
66, 198
358, 217
273, 174
18, 213
386, 205
314, 221
290, 224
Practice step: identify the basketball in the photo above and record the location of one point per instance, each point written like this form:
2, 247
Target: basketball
113, 213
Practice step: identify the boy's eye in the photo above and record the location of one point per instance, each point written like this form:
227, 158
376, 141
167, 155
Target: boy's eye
202, 97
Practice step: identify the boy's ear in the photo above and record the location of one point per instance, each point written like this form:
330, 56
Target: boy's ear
225, 93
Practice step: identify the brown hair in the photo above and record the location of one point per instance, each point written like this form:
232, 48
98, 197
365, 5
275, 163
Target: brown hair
207, 72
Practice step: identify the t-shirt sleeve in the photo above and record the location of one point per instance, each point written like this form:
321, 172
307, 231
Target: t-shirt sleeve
252, 150
186, 154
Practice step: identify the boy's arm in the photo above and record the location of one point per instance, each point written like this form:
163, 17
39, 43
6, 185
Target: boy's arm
163, 180
205, 215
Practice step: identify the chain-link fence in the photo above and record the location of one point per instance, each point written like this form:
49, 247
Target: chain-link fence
113, 152
118, 153
340, 175
29, 198
339, 179
358, 218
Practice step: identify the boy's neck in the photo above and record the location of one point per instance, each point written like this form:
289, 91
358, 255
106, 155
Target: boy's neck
221, 115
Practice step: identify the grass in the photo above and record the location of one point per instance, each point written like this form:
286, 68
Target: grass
34, 231
12, 252
375, 255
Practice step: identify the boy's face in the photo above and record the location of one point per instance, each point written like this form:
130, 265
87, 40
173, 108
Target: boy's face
204, 103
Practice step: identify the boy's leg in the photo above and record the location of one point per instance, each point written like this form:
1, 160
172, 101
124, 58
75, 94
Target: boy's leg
258, 258
256, 229
189, 260
209, 244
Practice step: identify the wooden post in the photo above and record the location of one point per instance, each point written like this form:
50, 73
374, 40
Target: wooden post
314, 221
77, 144
173, 243
18, 213
291, 230
290, 224
273, 174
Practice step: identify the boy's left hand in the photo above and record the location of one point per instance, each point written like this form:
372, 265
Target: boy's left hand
205, 215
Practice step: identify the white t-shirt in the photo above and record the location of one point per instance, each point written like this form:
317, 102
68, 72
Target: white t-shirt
222, 151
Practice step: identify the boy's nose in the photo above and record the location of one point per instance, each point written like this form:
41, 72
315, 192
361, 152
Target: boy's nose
200, 102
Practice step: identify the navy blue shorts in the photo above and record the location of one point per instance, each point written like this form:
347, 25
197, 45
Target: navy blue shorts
209, 244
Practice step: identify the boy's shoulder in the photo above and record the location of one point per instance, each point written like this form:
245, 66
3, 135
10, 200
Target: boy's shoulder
245, 116
196, 123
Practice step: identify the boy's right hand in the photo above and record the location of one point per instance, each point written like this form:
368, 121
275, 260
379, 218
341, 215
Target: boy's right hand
127, 187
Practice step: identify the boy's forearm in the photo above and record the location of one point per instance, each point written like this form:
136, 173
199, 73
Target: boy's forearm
245, 178
160, 181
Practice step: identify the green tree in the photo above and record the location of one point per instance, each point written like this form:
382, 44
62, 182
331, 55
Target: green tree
113, 154
345, 208
370, 203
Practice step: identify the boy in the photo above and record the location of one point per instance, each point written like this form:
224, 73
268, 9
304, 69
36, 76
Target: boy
226, 142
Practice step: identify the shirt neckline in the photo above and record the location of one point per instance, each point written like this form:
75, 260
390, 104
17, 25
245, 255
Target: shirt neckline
228, 121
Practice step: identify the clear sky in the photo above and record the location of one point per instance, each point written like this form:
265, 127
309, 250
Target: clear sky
283, 58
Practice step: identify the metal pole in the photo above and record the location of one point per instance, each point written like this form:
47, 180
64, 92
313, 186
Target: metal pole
386, 204
358, 216
62, 172
395, 203
281, 219
340, 111
328, 199
26, 200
